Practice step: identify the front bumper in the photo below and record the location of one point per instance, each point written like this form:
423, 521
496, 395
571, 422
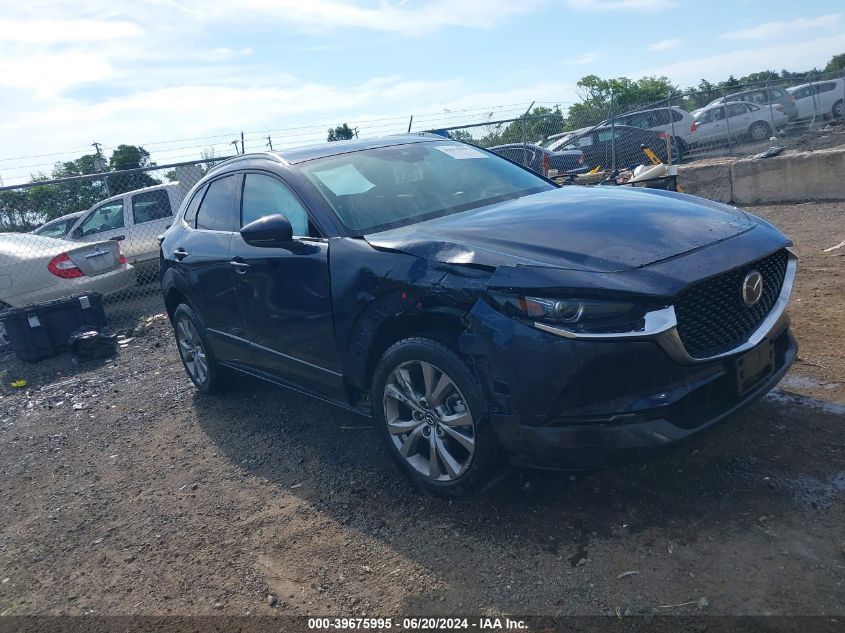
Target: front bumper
583, 402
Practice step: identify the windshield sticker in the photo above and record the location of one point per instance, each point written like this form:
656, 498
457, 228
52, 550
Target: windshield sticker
344, 180
460, 152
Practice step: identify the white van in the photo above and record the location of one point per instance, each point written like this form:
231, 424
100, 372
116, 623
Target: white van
135, 218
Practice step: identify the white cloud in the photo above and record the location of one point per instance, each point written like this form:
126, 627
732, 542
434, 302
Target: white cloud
771, 30
59, 31
621, 5
741, 62
407, 18
53, 74
587, 58
664, 45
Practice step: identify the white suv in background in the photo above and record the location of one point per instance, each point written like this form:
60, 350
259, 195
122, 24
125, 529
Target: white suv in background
680, 124
819, 98
135, 219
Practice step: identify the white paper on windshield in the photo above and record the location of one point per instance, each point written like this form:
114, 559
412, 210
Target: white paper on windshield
460, 152
344, 180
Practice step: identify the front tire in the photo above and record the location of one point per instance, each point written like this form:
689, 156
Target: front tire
429, 412
759, 131
838, 109
194, 350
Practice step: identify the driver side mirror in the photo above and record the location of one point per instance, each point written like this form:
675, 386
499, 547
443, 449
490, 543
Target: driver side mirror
269, 231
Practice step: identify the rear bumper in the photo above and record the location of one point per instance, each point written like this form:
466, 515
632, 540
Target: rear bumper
109, 283
562, 444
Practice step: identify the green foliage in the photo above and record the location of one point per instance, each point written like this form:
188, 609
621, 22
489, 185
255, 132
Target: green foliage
529, 128
836, 63
340, 133
25, 209
600, 98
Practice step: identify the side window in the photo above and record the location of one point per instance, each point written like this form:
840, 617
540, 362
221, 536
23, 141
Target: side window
217, 210
677, 116
661, 117
193, 205
264, 195
803, 92
827, 87
775, 94
104, 218
757, 97
737, 109
151, 205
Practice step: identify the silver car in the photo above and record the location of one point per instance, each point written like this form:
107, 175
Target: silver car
721, 122
35, 268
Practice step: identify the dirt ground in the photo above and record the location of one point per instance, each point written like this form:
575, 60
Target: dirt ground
124, 492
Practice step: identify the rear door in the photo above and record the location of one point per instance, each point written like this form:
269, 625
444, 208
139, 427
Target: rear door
151, 212
201, 255
805, 102
285, 292
738, 119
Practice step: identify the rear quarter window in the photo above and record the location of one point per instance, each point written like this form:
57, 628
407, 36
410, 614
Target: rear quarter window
191, 210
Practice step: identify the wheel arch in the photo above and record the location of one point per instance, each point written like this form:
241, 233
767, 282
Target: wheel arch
380, 327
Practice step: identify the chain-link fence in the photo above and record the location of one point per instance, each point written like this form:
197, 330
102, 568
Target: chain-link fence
97, 232
90, 234
803, 112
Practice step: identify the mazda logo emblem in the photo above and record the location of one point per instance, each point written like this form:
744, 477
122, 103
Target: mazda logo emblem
752, 288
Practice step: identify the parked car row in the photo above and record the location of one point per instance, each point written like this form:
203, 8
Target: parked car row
754, 114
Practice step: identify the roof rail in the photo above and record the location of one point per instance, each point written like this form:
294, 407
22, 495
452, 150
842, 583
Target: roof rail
262, 154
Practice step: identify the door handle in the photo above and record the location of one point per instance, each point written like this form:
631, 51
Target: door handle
240, 265
118, 238
180, 253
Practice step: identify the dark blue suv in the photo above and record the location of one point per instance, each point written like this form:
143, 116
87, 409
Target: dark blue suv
474, 309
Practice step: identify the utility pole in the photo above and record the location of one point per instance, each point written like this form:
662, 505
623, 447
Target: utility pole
243, 151
270, 142
100, 165
235, 143
355, 129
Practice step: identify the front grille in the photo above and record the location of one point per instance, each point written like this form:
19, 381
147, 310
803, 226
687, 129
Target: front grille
713, 318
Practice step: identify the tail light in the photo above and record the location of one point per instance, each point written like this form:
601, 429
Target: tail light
779, 108
546, 163
662, 136
121, 258
63, 266
693, 126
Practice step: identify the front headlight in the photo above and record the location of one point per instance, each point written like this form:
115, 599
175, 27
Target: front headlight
576, 314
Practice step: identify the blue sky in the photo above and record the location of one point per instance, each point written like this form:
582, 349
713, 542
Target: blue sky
178, 76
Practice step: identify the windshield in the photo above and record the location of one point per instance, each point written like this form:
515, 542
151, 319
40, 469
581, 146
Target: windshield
56, 228
381, 188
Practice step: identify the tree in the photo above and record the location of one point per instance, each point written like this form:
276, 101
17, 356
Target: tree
130, 157
340, 133
603, 98
540, 122
836, 63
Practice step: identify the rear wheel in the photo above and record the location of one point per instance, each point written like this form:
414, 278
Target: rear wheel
759, 131
430, 414
838, 109
196, 355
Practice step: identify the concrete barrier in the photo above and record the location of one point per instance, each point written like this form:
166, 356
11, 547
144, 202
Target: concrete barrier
797, 177
709, 178
818, 175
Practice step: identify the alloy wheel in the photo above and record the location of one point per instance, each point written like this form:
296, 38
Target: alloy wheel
429, 420
192, 351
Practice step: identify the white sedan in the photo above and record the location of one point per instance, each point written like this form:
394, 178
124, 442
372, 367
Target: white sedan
35, 268
721, 122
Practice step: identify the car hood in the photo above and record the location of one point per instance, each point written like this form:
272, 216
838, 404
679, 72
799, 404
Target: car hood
592, 229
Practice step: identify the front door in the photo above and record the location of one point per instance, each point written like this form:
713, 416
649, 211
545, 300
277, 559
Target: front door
105, 222
285, 292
